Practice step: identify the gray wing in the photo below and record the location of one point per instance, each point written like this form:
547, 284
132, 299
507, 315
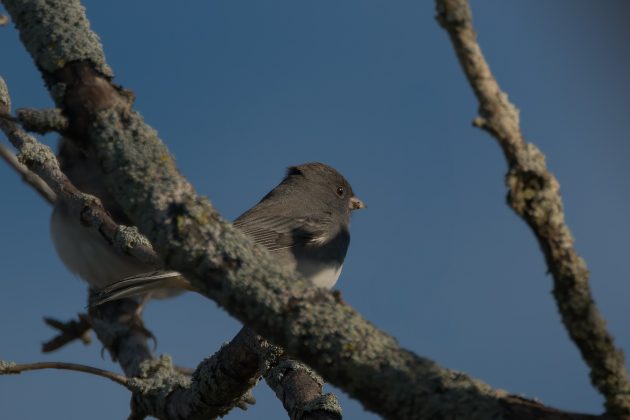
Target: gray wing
279, 232
273, 232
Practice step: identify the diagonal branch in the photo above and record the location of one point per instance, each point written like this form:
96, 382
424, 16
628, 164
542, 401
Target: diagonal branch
27, 176
218, 384
68, 332
300, 390
534, 194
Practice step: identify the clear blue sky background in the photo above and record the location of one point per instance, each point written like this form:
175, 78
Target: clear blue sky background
239, 90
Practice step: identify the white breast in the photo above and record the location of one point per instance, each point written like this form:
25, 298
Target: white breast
319, 274
86, 253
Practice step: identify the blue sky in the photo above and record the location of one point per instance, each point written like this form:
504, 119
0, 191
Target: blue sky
239, 90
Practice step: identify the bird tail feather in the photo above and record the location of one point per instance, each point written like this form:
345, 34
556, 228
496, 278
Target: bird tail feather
156, 283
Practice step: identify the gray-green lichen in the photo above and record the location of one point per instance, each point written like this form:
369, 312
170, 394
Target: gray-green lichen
5, 365
5, 99
42, 121
327, 402
128, 238
37, 156
158, 377
213, 385
276, 375
287, 385
57, 32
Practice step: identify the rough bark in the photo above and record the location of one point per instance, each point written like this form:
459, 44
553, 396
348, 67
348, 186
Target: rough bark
300, 390
27, 176
534, 194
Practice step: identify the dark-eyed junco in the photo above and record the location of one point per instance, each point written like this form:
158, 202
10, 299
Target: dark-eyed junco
303, 222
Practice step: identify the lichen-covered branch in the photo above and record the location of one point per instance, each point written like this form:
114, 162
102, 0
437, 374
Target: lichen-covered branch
27, 176
310, 324
42, 121
218, 384
534, 194
300, 390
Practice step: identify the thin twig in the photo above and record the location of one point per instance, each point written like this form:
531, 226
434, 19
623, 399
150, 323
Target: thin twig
27, 176
534, 194
17, 369
68, 332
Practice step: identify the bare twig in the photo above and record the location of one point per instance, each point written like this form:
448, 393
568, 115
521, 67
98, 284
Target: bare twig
12, 368
27, 176
534, 194
68, 332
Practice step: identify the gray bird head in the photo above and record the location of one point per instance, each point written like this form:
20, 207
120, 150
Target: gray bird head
324, 186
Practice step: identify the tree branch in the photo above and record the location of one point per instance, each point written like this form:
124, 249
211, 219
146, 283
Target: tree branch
300, 390
218, 384
42, 121
12, 368
121, 331
534, 194
27, 176
68, 332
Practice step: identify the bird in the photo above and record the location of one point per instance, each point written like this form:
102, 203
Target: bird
85, 252
304, 222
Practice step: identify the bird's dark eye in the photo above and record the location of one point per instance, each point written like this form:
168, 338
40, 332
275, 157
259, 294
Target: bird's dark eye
340, 191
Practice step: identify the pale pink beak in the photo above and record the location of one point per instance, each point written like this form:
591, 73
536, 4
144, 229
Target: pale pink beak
356, 204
